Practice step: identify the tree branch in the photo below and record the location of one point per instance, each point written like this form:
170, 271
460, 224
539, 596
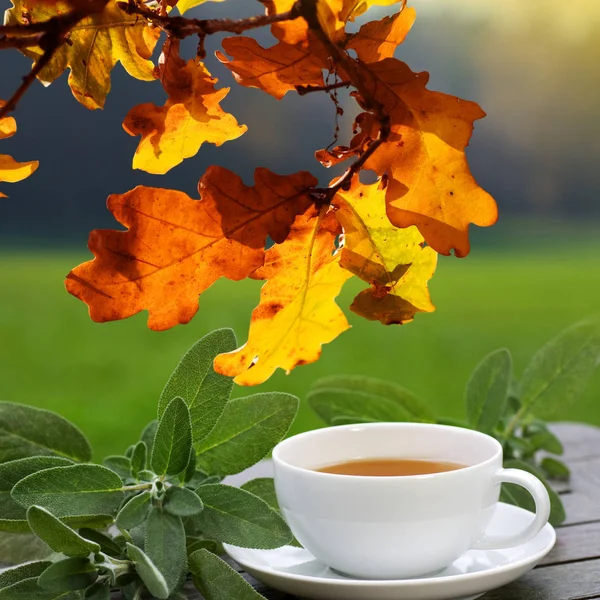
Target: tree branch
181, 27
349, 66
307, 89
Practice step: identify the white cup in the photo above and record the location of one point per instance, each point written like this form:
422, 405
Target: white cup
396, 527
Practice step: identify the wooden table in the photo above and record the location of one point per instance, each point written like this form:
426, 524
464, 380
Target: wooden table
572, 570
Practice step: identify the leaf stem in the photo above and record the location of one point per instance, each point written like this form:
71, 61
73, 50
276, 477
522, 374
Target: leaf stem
512, 424
138, 487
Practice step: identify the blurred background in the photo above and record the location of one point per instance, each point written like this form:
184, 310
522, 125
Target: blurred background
533, 67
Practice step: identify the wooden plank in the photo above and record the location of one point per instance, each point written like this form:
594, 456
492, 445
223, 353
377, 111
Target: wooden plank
583, 502
572, 581
581, 441
579, 542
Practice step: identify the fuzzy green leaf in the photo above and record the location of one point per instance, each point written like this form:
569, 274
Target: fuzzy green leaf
247, 431
198, 544
554, 468
487, 390
27, 571
121, 465
173, 441
515, 494
411, 407
153, 579
77, 490
205, 392
182, 502
135, 511
165, 545
17, 548
57, 535
98, 591
541, 438
13, 516
107, 544
560, 371
190, 470
138, 458
216, 580
27, 431
149, 434
235, 516
28, 589
75, 573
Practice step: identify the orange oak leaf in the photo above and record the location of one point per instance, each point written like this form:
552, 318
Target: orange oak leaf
277, 69
176, 247
191, 115
392, 260
297, 312
429, 181
12, 171
93, 48
377, 40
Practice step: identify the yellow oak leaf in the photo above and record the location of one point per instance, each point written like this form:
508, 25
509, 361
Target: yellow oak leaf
394, 261
297, 312
191, 115
429, 183
377, 40
93, 47
176, 247
184, 5
12, 171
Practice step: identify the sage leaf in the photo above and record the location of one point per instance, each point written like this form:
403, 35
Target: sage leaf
121, 465
182, 502
235, 516
57, 535
216, 580
75, 573
17, 548
98, 591
173, 441
411, 407
27, 431
153, 579
73, 491
515, 494
246, 432
345, 420
487, 390
135, 511
205, 392
560, 371
107, 544
554, 468
541, 438
13, 516
27, 571
199, 544
138, 458
149, 434
165, 545
190, 470
28, 589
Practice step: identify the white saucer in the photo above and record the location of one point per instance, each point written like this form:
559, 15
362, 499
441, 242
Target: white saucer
296, 571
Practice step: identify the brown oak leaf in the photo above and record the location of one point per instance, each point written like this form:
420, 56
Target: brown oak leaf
176, 247
191, 115
297, 312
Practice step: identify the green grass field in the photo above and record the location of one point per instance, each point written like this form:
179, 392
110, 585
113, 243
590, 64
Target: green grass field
107, 378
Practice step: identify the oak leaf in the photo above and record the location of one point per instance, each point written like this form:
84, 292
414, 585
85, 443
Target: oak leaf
184, 5
12, 171
392, 260
176, 247
191, 115
93, 47
277, 69
429, 181
377, 40
297, 312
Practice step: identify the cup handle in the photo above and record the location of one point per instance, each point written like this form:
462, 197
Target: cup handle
542, 511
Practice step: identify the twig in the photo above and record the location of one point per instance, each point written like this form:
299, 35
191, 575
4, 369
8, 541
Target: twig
347, 64
307, 89
182, 27
21, 42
